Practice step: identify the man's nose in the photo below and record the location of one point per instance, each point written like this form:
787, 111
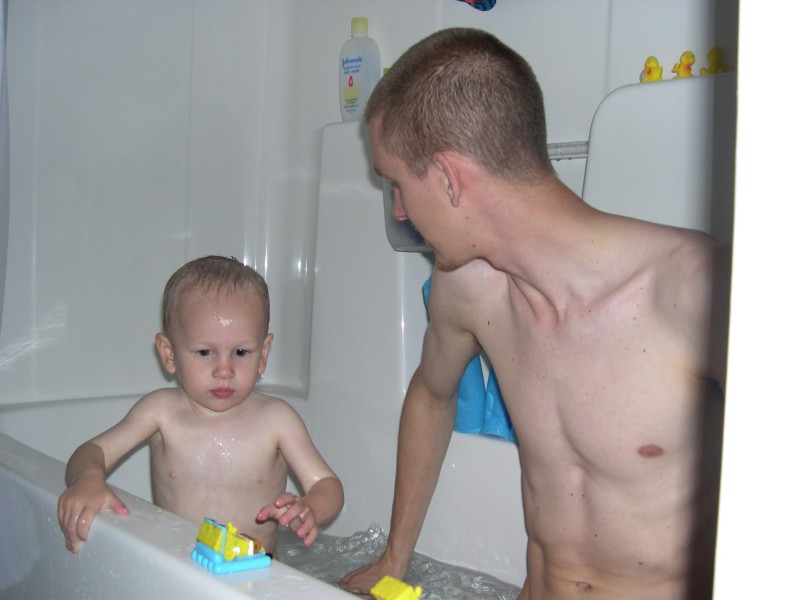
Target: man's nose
398, 212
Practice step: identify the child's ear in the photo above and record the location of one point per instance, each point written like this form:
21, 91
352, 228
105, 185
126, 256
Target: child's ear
262, 365
166, 353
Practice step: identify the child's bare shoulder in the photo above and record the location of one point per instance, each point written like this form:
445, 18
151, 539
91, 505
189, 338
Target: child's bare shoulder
160, 401
160, 395
262, 402
276, 410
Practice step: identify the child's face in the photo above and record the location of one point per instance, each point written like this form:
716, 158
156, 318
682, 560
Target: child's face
217, 346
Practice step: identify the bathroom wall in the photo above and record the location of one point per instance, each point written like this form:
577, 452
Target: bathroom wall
140, 138
146, 133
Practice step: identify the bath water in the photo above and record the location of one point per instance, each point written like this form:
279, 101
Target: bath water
332, 557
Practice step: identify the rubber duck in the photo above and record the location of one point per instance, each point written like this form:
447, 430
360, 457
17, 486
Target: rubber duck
715, 64
684, 68
652, 70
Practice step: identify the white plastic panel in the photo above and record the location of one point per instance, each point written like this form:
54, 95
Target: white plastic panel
663, 152
127, 163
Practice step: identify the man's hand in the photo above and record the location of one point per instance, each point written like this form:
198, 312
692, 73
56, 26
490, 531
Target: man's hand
362, 580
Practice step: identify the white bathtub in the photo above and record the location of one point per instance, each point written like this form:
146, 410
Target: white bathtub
146, 554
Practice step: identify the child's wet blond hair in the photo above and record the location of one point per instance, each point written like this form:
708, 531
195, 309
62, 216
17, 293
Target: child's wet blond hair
212, 273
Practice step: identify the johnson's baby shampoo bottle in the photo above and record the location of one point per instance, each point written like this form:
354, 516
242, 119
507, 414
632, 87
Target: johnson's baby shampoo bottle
359, 69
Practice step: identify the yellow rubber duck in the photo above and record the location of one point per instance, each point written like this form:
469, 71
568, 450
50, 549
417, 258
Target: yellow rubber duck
715, 64
684, 68
652, 70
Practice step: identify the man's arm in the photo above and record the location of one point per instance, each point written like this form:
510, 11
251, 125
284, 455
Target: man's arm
426, 426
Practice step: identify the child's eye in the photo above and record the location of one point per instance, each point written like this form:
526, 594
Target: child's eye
204, 352
240, 352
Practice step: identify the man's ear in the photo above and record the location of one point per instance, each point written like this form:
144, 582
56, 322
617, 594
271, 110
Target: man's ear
166, 353
447, 163
262, 365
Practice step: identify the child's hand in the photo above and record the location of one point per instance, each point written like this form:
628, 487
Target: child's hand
79, 505
293, 511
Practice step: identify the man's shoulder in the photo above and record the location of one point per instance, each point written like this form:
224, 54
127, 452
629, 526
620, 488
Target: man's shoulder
692, 276
692, 257
667, 252
474, 280
460, 301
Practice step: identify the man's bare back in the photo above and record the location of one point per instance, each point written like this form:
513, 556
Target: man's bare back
616, 501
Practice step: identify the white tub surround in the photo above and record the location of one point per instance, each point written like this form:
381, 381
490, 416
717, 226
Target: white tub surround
146, 554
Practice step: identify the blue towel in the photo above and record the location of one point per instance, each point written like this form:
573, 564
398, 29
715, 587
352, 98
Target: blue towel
480, 406
481, 4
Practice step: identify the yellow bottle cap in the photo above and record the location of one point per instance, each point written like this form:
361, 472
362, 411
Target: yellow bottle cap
358, 26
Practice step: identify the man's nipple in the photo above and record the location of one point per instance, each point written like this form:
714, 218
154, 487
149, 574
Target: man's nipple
651, 451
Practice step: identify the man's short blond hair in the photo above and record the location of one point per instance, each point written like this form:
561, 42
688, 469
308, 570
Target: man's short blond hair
462, 89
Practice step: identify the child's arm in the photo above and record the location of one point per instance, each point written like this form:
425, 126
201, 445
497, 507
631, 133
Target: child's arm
324, 496
306, 514
87, 492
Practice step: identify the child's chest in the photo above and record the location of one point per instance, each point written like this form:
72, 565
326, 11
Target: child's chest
226, 452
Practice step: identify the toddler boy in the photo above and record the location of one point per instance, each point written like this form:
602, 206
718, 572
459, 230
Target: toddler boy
217, 448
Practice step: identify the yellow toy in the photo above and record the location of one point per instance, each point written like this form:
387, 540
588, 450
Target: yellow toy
715, 64
222, 549
684, 67
390, 588
652, 70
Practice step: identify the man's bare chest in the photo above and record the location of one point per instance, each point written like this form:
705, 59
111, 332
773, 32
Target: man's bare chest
601, 388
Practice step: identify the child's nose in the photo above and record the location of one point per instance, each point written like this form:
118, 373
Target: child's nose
223, 369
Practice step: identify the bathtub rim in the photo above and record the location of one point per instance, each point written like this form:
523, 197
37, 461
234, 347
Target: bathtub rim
169, 544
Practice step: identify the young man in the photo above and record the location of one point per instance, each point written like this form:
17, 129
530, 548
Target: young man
607, 335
